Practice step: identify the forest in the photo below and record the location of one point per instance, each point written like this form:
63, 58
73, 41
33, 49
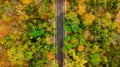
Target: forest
28, 28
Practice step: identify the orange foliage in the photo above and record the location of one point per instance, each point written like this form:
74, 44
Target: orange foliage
50, 56
4, 62
118, 30
81, 48
118, 21
26, 1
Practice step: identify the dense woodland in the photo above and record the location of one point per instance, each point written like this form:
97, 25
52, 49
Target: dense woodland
92, 33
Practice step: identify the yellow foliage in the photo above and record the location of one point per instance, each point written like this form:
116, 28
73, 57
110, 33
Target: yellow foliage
81, 9
25, 46
88, 19
48, 40
27, 2
43, 15
80, 48
53, 25
79, 61
6, 18
66, 32
74, 40
86, 34
49, 29
95, 48
82, 62
81, 2
39, 11
26, 16
39, 39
